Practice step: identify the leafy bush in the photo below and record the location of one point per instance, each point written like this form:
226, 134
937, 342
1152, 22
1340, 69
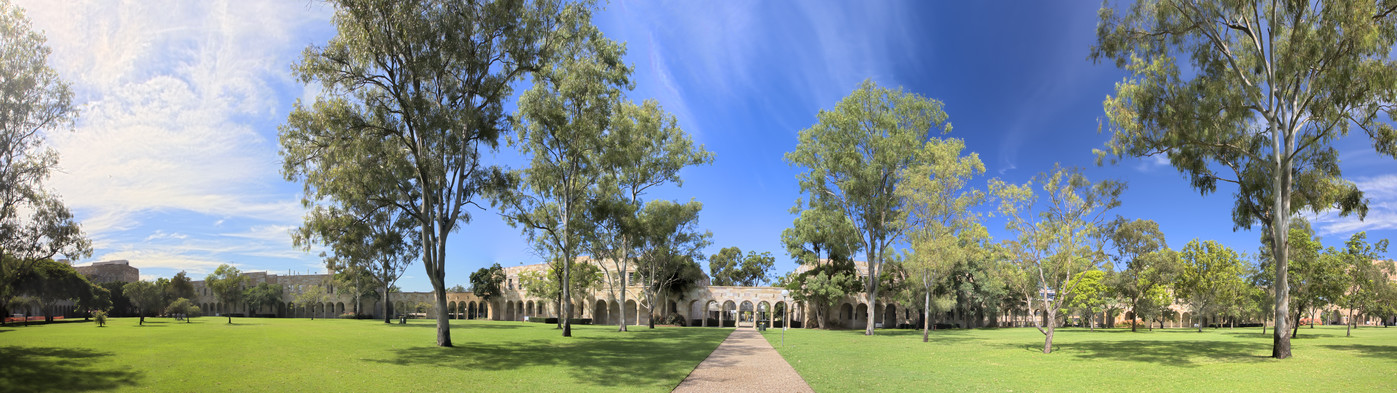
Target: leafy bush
101, 318
674, 319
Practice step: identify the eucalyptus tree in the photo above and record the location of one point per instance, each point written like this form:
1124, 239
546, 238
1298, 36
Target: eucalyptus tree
1210, 273
563, 124
363, 240
1368, 275
819, 232
1147, 265
35, 225
943, 225
645, 149
855, 158
411, 102
311, 297
1057, 240
486, 283
147, 298
263, 294
1090, 296
1254, 93
226, 282
671, 245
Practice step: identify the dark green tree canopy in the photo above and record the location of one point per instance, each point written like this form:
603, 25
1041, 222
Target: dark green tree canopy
486, 282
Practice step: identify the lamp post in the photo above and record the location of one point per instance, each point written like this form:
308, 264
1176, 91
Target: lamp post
785, 317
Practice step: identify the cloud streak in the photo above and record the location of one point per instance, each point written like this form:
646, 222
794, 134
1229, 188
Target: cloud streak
181, 101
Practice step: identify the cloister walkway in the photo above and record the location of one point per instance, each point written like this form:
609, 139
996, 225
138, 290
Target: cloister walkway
744, 362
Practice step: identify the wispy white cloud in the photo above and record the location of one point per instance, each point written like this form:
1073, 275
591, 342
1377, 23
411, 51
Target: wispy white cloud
181, 100
1381, 192
161, 234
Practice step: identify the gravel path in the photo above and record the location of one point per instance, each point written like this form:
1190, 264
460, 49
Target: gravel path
744, 362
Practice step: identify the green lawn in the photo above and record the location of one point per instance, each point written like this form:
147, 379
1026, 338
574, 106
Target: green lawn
346, 355
1116, 360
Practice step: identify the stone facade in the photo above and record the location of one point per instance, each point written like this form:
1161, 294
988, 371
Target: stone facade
109, 271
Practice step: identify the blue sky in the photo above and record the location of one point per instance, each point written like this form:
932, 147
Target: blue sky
173, 164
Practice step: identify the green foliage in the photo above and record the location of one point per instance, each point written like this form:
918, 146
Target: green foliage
180, 287
264, 294
34, 104
412, 101
312, 295
146, 297
226, 282
1368, 275
182, 306
819, 232
1089, 294
1147, 266
670, 247
944, 231
120, 305
1211, 278
100, 317
1254, 93
855, 160
49, 281
486, 283
822, 285
730, 268
1057, 241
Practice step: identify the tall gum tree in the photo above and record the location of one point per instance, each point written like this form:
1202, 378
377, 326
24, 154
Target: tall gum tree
854, 160
35, 225
943, 228
645, 149
563, 125
1254, 93
1058, 238
1145, 265
417, 88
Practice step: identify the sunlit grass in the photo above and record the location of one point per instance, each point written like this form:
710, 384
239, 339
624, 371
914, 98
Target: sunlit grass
1110, 360
256, 354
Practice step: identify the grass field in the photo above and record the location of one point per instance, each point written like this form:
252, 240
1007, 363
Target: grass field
345, 355
1180, 360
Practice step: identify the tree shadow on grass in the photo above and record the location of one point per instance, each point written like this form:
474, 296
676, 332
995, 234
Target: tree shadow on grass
1175, 353
1388, 352
637, 358
48, 369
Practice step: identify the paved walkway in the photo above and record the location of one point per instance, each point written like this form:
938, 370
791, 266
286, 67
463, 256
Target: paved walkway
744, 362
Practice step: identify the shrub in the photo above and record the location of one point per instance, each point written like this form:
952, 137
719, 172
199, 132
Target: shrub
674, 319
101, 318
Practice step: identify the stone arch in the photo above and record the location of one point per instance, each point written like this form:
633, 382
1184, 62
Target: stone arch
599, 312
484, 309
632, 312
860, 316
712, 310
470, 310
451, 310
729, 313
613, 315
846, 314
339, 308
763, 313
694, 312
529, 308
890, 316
746, 311
780, 314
